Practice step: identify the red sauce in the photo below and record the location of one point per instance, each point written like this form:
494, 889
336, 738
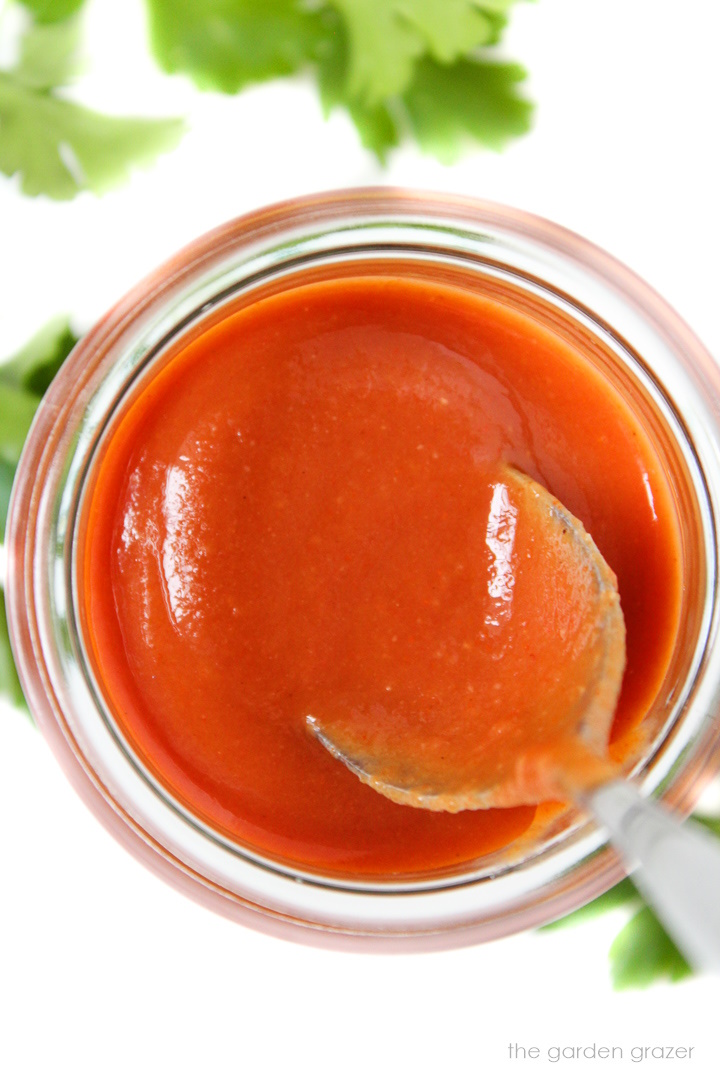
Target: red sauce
289, 513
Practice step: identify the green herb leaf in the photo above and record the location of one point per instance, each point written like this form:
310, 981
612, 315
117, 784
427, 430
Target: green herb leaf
17, 409
452, 29
35, 365
226, 44
7, 475
24, 378
642, 954
50, 54
378, 129
387, 37
713, 824
9, 681
471, 101
51, 11
60, 148
622, 893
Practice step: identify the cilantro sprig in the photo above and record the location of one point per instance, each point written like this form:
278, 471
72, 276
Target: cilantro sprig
417, 69
56, 146
52, 11
423, 70
387, 38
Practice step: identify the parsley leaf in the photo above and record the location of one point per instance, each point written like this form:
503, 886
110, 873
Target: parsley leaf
60, 148
17, 409
378, 127
642, 953
57, 147
24, 378
453, 28
49, 55
35, 365
713, 824
7, 474
9, 681
387, 37
226, 44
472, 100
51, 11
446, 107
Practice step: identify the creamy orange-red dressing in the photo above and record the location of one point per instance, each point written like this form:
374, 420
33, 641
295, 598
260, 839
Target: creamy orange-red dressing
295, 517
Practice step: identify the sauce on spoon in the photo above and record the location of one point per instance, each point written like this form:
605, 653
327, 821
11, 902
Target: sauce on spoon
537, 723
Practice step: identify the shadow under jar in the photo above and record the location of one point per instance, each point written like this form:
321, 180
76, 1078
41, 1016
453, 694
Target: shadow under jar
429, 282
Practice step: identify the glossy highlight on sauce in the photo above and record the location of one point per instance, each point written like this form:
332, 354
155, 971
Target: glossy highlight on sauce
288, 519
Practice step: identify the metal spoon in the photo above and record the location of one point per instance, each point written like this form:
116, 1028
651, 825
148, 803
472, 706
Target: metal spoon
562, 749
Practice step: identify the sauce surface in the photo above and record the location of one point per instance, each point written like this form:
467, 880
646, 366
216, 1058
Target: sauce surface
288, 520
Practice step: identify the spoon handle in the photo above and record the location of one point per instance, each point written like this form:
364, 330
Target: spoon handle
676, 866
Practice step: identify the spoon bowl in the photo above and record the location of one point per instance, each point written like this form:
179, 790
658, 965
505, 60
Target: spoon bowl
538, 728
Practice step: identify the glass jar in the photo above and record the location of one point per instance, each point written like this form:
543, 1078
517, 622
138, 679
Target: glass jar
644, 349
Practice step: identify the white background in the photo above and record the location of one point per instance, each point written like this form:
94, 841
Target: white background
104, 971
